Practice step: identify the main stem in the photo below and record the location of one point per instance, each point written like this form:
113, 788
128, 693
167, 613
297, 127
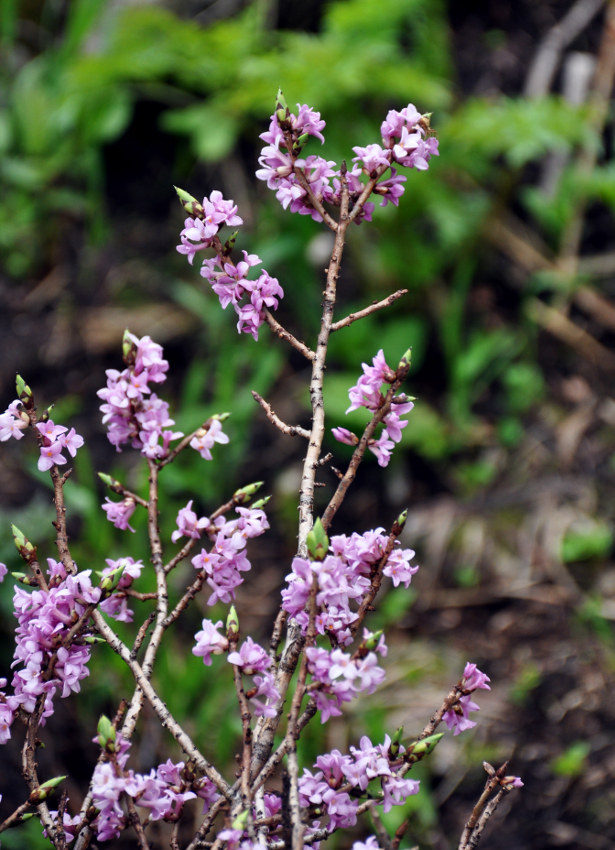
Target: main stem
266, 727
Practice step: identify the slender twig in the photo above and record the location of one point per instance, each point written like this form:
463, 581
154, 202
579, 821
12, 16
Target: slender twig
357, 456
290, 430
367, 311
164, 715
281, 331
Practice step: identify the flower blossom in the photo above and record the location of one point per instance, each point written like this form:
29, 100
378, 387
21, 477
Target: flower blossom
367, 393
457, 717
188, 524
226, 560
11, 422
343, 577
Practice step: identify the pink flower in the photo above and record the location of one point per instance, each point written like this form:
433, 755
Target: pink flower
188, 524
251, 657
51, 456
209, 641
120, 512
205, 438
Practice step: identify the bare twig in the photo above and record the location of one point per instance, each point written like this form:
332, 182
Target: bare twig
367, 311
290, 430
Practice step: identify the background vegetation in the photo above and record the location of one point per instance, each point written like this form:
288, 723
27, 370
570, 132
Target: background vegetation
506, 247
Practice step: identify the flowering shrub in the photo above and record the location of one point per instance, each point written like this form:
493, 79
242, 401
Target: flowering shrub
321, 655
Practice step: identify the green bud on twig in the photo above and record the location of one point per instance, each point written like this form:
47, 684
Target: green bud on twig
24, 393
400, 522
189, 203
232, 622
43, 791
419, 749
106, 733
26, 550
372, 641
244, 494
317, 542
260, 503
230, 242
240, 821
112, 579
111, 482
129, 349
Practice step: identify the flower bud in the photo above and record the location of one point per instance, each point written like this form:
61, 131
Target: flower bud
400, 522
111, 482
112, 579
106, 733
419, 749
26, 550
260, 503
240, 821
317, 542
43, 791
190, 204
129, 349
372, 641
24, 392
244, 494
232, 623
230, 243
404, 364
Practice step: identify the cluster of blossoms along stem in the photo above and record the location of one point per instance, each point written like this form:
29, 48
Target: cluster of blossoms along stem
302, 185
344, 578
135, 415
226, 560
162, 792
53, 439
49, 655
251, 659
339, 780
131, 411
228, 279
367, 393
456, 717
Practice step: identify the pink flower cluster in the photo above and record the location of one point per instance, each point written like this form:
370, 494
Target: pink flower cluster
226, 560
13, 421
254, 661
297, 181
457, 717
334, 771
366, 393
344, 577
131, 411
162, 792
54, 439
116, 605
339, 677
229, 280
44, 619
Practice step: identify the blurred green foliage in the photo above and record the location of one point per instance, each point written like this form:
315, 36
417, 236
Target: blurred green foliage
66, 102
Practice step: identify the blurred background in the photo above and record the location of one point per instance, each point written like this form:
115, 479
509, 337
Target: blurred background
506, 247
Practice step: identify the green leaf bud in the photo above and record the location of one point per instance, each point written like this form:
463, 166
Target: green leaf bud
190, 203
43, 791
244, 494
106, 733
232, 622
24, 393
317, 542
